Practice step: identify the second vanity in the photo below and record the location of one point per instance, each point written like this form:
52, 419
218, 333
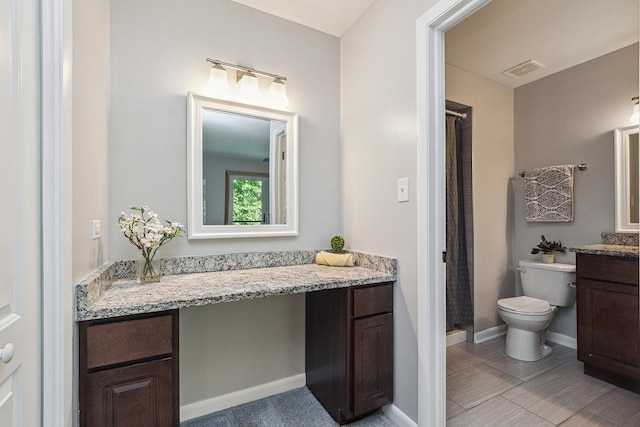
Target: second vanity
608, 309
129, 344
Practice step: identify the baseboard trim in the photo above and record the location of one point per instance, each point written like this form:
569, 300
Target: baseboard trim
561, 339
456, 337
397, 416
218, 403
489, 334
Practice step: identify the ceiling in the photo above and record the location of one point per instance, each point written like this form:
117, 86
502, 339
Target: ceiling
505, 33
556, 34
329, 16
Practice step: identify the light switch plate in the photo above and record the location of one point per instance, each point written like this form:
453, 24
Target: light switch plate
403, 190
96, 231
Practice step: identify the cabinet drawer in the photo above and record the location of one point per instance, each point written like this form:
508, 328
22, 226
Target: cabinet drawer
612, 269
128, 340
372, 300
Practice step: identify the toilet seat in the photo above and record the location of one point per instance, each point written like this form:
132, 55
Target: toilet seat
525, 305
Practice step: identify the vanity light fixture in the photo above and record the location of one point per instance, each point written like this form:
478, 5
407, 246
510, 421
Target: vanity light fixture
218, 85
635, 116
248, 86
247, 80
278, 93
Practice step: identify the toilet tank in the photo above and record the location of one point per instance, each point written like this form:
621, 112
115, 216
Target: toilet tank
549, 281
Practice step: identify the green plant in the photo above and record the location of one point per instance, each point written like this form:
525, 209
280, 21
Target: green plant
247, 202
337, 243
547, 247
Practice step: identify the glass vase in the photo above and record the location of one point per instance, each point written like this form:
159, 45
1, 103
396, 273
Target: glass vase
148, 270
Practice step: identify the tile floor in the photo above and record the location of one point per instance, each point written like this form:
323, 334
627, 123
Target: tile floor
485, 387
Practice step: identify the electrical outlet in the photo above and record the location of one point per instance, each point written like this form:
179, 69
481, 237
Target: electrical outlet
96, 232
403, 190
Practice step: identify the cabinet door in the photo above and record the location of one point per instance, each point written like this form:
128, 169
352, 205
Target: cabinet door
132, 396
373, 363
608, 339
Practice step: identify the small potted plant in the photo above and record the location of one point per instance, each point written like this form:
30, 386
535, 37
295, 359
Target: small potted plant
337, 244
336, 256
548, 249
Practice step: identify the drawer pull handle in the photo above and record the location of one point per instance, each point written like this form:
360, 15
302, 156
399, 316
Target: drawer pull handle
571, 285
6, 354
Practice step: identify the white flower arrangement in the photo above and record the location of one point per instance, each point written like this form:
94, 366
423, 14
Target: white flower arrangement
146, 232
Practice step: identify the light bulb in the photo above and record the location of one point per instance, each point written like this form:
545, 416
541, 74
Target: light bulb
635, 116
278, 93
248, 87
217, 84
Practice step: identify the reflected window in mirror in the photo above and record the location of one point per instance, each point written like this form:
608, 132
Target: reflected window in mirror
626, 169
247, 198
242, 170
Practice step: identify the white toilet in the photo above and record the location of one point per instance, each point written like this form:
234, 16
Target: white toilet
545, 287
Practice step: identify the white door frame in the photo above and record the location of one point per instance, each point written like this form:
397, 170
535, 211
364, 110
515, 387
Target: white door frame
430, 29
58, 377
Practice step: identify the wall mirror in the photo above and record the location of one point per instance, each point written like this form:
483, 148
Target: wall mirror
626, 169
242, 170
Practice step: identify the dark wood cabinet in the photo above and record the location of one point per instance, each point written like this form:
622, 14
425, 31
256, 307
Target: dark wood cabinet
129, 371
349, 349
608, 310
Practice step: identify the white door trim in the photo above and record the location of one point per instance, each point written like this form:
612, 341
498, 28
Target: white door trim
430, 29
57, 291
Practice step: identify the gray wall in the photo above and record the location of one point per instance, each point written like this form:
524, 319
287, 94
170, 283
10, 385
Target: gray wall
158, 52
378, 136
568, 118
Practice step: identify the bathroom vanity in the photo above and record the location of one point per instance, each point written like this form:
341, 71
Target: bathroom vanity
129, 371
608, 313
128, 332
349, 351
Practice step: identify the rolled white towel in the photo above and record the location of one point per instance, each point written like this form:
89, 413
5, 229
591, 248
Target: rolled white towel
335, 260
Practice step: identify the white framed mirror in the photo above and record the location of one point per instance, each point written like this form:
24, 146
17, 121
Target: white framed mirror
242, 170
626, 170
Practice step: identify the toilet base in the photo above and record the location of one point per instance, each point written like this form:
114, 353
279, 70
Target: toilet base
526, 345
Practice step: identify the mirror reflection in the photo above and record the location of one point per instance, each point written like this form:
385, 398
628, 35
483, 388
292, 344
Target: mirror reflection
626, 169
242, 170
633, 178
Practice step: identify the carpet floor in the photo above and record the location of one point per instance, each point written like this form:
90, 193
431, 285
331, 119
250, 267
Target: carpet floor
295, 408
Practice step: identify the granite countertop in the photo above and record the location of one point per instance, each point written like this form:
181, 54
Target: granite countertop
104, 295
609, 250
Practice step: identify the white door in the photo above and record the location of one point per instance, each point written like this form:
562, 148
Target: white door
20, 216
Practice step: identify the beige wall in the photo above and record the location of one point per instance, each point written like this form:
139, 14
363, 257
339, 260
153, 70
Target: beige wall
90, 103
88, 22
492, 160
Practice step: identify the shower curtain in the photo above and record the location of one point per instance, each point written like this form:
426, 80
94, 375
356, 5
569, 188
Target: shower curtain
459, 298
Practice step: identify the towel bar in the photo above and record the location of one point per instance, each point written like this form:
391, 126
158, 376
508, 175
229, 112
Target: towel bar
581, 166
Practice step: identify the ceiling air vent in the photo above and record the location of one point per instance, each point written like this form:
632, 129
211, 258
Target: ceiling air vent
524, 68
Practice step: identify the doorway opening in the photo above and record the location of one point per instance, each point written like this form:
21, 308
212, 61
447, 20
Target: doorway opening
430, 29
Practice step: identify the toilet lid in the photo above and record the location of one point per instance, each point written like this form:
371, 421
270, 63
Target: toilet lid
525, 305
